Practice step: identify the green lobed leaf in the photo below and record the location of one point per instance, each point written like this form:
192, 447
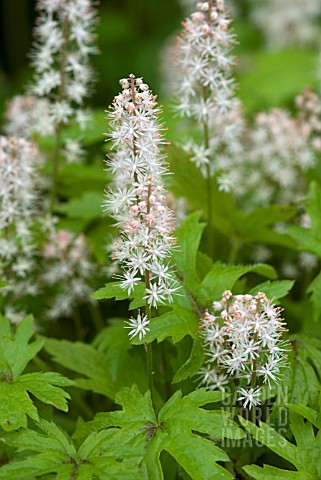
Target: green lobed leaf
253, 227
98, 457
16, 353
268, 472
176, 324
257, 225
307, 239
15, 350
15, 406
46, 387
303, 455
81, 178
172, 430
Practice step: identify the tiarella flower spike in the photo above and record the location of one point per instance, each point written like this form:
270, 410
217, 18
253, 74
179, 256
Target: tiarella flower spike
18, 208
243, 339
288, 23
204, 83
137, 199
67, 270
18, 159
64, 40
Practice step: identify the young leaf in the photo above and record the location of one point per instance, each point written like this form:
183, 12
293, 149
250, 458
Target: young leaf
304, 455
176, 323
113, 290
99, 457
179, 429
110, 290
275, 290
15, 353
222, 277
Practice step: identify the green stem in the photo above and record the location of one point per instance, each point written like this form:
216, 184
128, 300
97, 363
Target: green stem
148, 346
96, 316
234, 251
55, 167
60, 96
209, 191
79, 332
209, 211
148, 310
253, 378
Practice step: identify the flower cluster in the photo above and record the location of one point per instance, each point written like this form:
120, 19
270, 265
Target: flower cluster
64, 40
67, 271
18, 193
137, 200
289, 22
26, 115
18, 205
280, 148
204, 84
280, 145
243, 340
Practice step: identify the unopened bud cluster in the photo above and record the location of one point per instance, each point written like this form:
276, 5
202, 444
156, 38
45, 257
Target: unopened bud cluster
243, 340
137, 201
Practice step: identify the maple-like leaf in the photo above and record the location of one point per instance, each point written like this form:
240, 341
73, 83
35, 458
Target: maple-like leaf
183, 429
16, 351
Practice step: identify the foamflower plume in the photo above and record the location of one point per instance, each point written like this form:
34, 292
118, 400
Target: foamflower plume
204, 86
64, 39
18, 212
137, 198
243, 340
